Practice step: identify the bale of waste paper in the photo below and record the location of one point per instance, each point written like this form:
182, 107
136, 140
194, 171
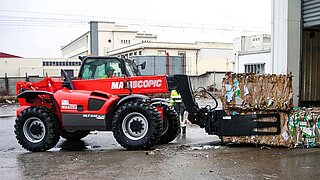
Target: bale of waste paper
299, 128
246, 93
257, 92
283, 139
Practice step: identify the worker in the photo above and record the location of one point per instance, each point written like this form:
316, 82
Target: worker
174, 98
109, 72
176, 102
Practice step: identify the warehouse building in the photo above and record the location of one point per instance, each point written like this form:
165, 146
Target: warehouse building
296, 46
102, 38
253, 54
199, 57
22, 67
108, 38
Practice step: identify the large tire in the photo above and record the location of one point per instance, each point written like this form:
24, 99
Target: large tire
37, 129
137, 125
171, 125
74, 135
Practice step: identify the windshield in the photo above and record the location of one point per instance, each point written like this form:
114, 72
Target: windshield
132, 68
101, 68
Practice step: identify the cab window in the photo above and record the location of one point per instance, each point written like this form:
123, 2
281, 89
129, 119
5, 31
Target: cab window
98, 68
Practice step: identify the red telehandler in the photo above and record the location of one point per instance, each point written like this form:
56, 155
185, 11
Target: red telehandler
73, 107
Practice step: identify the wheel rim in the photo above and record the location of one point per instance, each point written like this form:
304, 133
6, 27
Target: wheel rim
165, 126
135, 126
34, 130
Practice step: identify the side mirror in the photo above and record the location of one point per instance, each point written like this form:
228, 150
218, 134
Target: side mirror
143, 65
67, 82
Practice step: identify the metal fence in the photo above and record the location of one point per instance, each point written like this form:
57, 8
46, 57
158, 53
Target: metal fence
213, 79
156, 65
8, 84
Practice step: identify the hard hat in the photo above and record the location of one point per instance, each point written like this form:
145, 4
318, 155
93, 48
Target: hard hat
110, 68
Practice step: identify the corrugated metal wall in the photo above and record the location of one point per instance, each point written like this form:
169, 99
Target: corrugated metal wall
158, 64
310, 66
311, 13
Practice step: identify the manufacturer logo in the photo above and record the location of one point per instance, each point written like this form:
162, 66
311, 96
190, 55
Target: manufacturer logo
226, 117
65, 105
138, 84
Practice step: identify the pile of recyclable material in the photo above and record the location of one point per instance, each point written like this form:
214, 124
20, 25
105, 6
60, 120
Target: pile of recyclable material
283, 139
259, 94
304, 125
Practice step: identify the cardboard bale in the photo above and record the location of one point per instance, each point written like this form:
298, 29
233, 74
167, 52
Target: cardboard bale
299, 128
257, 92
283, 139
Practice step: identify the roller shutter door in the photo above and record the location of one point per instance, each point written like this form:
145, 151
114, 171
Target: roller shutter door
311, 13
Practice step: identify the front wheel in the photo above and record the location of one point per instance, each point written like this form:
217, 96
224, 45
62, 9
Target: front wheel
171, 125
37, 129
137, 125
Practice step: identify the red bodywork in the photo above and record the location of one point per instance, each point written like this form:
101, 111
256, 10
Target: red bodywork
116, 85
122, 85
67, 102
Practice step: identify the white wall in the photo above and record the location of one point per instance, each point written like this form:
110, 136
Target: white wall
77, 48
15, 67
254, 58
18, 67
286, 35
215, 60
252, 43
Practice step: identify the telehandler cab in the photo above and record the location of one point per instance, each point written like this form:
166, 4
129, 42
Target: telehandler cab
73, 107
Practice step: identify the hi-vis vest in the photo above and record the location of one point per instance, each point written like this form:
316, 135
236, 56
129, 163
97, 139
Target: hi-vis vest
175, 97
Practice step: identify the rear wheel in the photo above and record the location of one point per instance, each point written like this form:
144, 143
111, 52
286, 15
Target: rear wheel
137, 125
74, 135
37, 129
171, 125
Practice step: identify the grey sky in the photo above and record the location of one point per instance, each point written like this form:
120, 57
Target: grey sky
37, 28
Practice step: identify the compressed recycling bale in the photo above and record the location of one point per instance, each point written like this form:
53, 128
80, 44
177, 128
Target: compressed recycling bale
283, 139
304, 125
245, 91
299, 128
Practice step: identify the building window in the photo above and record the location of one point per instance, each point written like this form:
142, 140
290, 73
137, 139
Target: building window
130, 54
140, 52
135, 53
125, 41
254, 68
162, 52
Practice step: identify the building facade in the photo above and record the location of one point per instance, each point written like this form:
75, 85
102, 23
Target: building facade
108, 38
199, 56
21, 67
253, 54
296, 47
102, 38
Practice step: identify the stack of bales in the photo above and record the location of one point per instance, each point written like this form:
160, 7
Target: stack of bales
260, 94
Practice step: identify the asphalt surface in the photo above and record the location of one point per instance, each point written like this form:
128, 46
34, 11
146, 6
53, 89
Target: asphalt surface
195, 155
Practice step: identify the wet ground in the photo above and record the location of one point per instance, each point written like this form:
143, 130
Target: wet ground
195, 155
